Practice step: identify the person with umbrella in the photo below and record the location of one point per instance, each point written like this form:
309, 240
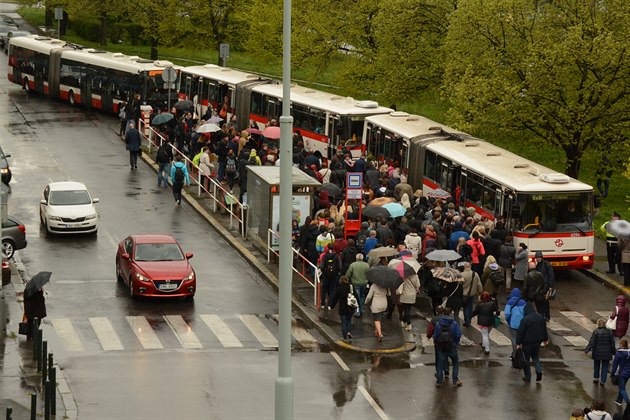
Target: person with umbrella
612, 244
382, 278
408, 267
34, 300
624, 253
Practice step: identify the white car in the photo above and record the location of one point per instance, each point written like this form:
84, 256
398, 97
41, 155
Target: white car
67, 207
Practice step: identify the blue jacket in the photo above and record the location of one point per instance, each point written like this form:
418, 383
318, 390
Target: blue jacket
370, 244
133, 140
622, 362
515, 309
183, 166
452, 242
448, 322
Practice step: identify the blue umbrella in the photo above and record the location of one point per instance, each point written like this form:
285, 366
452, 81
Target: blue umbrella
395, 209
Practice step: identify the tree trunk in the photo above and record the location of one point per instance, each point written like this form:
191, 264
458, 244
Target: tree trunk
574, 160
104, 28
49, 14
154, 49
64, 23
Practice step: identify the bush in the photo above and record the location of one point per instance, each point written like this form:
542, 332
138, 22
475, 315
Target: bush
86, 29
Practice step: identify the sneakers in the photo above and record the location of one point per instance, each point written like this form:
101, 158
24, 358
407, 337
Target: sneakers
349, 336
408, 327
437, 385
538, 377
403, 324
619, 403
526, 379
595, 380
458, 383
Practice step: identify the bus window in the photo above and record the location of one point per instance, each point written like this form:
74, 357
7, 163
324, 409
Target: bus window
489, 195
474, 188
255, 105
430, 166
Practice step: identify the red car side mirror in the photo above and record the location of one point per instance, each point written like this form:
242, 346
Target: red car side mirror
189, 255
125, 256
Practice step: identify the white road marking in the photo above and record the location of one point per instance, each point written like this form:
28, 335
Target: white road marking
426, 341
341, 363
221, 330
580, 319
64, 329
555, 326
259, 330
300, 334
373, 403
105, 333
604, 314
144, 332
576, 340
183, 332
495, 335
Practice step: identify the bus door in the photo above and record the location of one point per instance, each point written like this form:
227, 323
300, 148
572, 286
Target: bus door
273, 109
86, 87
333, 131
198, 97
41, 62
187, 88
460, 198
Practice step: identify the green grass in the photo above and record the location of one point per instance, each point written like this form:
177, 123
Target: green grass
428, 105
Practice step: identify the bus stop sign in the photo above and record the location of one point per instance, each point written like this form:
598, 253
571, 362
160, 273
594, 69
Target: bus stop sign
169, 75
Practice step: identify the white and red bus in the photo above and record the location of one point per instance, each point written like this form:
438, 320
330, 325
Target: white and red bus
90, 77
548, 211
326, 121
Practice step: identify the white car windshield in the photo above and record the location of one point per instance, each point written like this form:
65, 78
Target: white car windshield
69, 198
158, 252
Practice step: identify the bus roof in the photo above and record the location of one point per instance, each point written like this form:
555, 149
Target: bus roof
116, 61
222, 74
407, 125
322, 100
37, 43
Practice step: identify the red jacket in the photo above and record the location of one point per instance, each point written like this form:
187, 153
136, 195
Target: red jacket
623, 314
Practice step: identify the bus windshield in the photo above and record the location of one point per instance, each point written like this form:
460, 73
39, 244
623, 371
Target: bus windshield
555, 211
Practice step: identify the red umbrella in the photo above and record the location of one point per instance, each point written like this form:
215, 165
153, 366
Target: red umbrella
271, 132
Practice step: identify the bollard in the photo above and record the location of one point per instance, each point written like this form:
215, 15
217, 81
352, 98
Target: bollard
9, 412
41, 360
47, 400
36, 343
52, 374
3, 316
33, 406
50, 361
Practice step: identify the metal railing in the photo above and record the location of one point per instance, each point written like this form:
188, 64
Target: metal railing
215, 190
306, 264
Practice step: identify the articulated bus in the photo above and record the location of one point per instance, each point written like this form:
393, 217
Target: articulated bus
546, 210
326, 121
86, 76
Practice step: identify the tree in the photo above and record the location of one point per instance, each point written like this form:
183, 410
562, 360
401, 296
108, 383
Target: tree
557, 68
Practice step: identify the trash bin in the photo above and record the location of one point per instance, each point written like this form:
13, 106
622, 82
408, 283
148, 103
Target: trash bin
6, 273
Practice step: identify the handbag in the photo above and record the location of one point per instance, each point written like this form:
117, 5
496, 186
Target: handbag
497, 321
518, 359
611, 323
352, 299
551, 294
23, 328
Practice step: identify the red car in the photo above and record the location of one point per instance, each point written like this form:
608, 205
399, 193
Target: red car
155, 265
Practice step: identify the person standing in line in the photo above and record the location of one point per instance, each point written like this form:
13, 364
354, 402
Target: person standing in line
478, 252
624, 258
330, 265
533, 286
345, 311
621, 368
447, 335
179, 176
520, 267
357, 275
602, 348
134, 143
544, 268
622, 314
472, 289
506, 256
206, 166
611, 246
34, 307
377, 299
485, 312
123, 118
531, 333
163, 158
411, 287
514, 312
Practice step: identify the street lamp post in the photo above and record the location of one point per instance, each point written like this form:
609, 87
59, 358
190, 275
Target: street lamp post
284, 381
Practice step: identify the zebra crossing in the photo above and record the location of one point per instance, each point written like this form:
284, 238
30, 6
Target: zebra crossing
573, 327
243, 331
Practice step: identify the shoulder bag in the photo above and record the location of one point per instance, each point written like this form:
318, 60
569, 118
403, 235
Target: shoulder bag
611, 324
352, 299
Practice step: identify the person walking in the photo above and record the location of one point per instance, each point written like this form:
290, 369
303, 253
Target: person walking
345, 311
431, 335
492, 279
330, 266
34, 307
447, 335
531, 333
507, 252
357, 275
602, 348
133, 144
472, 288
122, 115
179, 176
544, 268
410, 288
514, 312
163, 158
377, 299
478, 252
624, 257
604, 173
485, 312
621, 368
622, 314
520, 266
611, 246
533, 286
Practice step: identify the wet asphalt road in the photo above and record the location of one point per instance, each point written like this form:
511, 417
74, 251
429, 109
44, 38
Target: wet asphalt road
49, 140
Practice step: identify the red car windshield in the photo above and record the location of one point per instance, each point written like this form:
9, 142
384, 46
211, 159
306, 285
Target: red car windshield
158, 252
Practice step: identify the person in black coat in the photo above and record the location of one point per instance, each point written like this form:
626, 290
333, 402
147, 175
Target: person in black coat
345, 312
485, 311
544, 267
34, 307
133, 144
531, 333
602, 348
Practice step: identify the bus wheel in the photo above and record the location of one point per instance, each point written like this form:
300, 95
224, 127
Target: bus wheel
26, 86
71, 97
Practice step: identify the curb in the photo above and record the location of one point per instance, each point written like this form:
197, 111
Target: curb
608, 282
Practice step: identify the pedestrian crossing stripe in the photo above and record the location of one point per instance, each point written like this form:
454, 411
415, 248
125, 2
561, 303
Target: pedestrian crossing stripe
106, 334
67, 334
184, 334
257, 328
221, 331
144, 332
580, 320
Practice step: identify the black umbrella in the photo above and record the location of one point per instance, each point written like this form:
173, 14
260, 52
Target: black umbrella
384, 276
36, 282
332, 189
183, 105
375, 212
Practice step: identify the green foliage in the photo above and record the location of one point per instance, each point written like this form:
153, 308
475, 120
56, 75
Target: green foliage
87, 29
33, 15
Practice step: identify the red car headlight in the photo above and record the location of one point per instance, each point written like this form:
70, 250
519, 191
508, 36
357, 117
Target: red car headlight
189, 277
141, 277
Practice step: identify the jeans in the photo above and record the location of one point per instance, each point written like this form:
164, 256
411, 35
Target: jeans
513, 333
163, 171
508, 278
177, 191
542, 307
362, 293
346, 323
468, 309
485, 337
623, 394
328, 288
531, 351
133, 158
406, 313
443, 364
221, 172
604, 370
602, 186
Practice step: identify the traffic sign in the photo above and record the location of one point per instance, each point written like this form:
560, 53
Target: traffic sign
169, 75
354, 180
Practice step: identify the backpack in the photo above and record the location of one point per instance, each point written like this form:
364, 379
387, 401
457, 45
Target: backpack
497, 279
360, 240
444, 340
466, 252
179, 174
230, 166
252, 160
330, 265
162, 155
